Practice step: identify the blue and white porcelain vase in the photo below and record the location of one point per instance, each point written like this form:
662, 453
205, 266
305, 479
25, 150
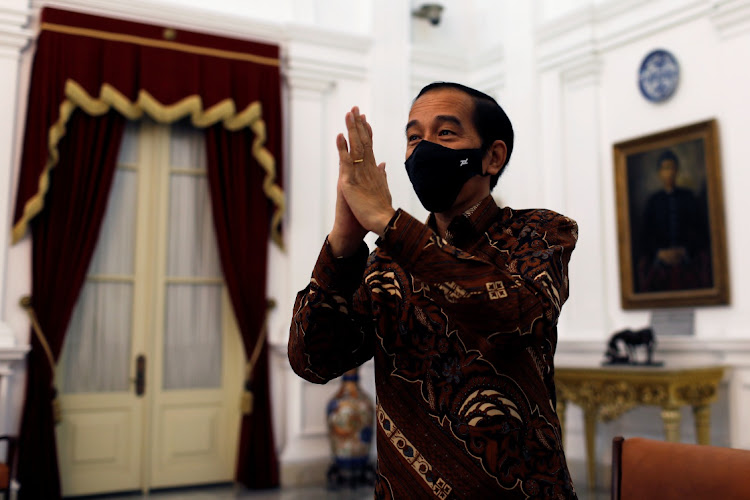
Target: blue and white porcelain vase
351, 416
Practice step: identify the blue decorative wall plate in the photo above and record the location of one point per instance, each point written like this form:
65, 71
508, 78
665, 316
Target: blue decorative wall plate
658, 76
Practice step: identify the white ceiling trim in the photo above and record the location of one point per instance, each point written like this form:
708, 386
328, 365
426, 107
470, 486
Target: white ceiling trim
594, 30
731, 17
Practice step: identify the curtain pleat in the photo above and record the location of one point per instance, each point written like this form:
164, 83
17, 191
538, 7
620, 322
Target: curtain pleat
64, 237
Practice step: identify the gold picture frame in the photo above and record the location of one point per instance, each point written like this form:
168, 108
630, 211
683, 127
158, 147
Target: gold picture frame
670, 219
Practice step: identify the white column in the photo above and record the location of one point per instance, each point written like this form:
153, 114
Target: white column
391, 95
325, 74
582, 164
572, 168
304, 440
13, 38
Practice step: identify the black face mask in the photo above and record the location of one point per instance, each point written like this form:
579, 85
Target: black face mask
438, 173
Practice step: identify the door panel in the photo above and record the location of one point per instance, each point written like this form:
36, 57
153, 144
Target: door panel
99, 444
191, 441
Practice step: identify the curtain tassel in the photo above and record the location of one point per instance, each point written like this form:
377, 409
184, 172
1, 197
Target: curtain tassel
25, 303
56, 410
247, 399
246, 404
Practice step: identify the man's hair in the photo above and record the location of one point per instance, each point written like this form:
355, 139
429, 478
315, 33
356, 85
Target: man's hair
668, 155
490, 119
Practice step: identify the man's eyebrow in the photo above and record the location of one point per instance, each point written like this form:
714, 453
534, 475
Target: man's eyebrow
439, 118
410, 125
449, 118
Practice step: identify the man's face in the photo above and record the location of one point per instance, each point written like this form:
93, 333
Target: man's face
443, 116
668, 173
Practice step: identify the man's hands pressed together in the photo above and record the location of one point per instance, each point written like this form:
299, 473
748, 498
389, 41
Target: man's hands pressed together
363, 200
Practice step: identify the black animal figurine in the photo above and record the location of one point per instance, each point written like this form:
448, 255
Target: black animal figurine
631, 340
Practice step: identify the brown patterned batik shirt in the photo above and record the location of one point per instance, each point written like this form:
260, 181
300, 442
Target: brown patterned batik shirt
463, 332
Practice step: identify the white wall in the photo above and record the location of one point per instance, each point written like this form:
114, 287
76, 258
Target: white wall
566, 74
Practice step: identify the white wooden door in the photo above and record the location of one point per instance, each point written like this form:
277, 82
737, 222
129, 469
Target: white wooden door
154, 292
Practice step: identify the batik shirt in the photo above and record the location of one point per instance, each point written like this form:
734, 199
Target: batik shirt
463, 333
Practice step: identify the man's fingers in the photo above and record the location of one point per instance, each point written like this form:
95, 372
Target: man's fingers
363, 148
342, 146
344, 158
357, 150
364, 135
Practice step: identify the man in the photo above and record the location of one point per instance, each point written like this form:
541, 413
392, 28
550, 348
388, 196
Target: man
459, 313
674, 236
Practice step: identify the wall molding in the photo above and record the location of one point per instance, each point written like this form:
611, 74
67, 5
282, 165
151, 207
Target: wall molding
14, 16
14, 36
585, 71
731, 17
304, 60
597, 29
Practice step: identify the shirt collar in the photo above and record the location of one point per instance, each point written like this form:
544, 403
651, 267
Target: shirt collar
464, 229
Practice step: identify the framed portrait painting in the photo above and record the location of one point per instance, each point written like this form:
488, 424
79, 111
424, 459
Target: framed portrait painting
670, 219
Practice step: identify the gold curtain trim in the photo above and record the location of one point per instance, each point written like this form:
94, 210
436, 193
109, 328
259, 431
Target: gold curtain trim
109, 97
161, 44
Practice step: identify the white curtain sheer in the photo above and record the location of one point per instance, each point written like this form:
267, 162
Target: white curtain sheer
192, 330
97, 354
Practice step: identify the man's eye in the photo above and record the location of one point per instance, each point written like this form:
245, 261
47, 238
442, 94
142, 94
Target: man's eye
412, 137
445, 132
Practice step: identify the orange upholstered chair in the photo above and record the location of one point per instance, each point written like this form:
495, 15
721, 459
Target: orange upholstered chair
647, 469
6, 467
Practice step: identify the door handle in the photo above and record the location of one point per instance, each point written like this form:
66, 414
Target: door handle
140, 375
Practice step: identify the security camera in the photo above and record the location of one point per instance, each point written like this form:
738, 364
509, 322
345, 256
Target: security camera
429, 11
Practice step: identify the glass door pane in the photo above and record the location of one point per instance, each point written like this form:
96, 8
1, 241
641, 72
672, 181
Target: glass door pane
193, 306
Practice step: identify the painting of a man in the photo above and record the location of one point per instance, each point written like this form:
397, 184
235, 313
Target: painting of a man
670, 219
671, 239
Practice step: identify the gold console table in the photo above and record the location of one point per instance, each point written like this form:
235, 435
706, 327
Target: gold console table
606, 392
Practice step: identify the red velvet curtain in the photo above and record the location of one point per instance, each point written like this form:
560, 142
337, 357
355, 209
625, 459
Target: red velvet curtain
64, 236
240, 213
89, 74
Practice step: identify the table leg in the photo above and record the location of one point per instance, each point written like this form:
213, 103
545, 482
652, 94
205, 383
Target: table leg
589, 416
702, 415
671, 417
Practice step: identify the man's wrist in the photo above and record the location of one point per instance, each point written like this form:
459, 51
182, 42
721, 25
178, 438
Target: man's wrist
342, 246
383, 220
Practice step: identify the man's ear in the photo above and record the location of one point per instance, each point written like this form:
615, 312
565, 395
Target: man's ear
495, 157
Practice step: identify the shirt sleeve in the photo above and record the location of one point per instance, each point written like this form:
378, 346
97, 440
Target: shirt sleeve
513, 285
330, 334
